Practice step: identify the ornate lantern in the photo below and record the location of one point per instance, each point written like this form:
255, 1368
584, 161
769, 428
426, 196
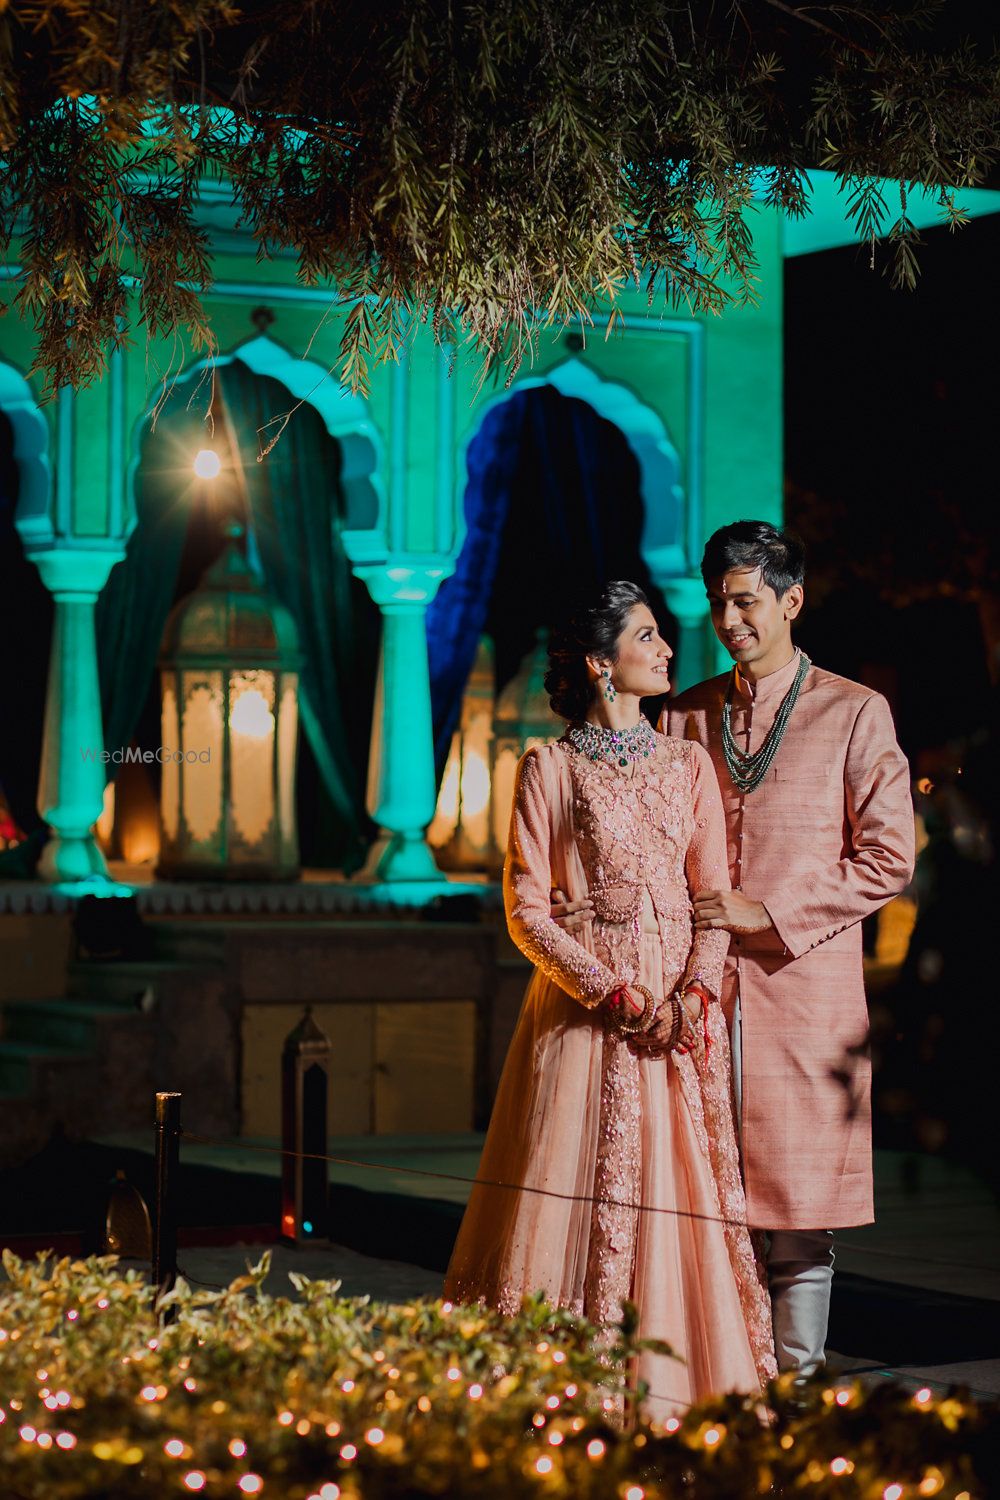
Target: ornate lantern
229, 677
523, 719
305, 1068
460, 832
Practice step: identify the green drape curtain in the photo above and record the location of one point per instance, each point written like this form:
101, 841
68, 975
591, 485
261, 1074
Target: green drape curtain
293, 506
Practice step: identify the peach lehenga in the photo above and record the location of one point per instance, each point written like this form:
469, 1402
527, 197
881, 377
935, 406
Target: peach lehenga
583, 1117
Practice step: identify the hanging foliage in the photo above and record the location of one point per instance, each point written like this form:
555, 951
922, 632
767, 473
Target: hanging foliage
493, 166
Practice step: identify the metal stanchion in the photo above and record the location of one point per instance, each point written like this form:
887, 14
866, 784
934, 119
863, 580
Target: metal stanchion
168, 1131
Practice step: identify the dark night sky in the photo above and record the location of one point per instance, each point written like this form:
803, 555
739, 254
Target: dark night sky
892, 473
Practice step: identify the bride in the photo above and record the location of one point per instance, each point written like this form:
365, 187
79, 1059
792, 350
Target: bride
610, 1169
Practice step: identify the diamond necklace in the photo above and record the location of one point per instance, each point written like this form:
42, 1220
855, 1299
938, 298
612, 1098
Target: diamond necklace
748, 770
615, 747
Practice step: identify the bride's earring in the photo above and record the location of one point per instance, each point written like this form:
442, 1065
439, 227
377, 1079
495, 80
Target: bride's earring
609, 687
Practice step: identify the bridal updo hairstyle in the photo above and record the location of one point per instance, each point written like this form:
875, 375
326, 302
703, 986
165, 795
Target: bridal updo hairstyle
590, 630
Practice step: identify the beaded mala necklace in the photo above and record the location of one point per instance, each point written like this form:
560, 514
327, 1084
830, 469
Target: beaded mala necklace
748, 770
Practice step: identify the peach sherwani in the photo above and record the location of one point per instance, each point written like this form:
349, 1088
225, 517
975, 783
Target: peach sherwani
823, 842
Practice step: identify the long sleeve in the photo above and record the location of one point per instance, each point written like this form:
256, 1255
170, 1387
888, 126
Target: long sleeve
810, 909
527, 887
707, 868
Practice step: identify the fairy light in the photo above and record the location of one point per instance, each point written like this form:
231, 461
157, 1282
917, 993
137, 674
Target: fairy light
923, 1396
174, 1448
542, 1347
190, 1384
595, 1448
348, 1453
194, 1479
303, 1426
329, 1492
285, 1418
555, 1438
453, 1372
66, 1441
571, 1391
347, 1387
28, 1434
713, 1436
893, 1492
843, 1397
840, 1466
332, 1430
786, 1442
251, 1484
538, 1420
423, 1403
72, 1315
672, 1424
393, 1374
44, 1440
635, 1492
475, 1392
374, 1436
558, 1357
578, 1424
544, 1465
237, 1447
552, 1402
103, 1303
148, 1393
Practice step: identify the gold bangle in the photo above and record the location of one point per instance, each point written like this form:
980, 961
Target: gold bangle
633, 1025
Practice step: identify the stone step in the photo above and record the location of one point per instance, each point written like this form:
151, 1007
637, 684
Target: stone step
126, 981
70, 1023
19, 1062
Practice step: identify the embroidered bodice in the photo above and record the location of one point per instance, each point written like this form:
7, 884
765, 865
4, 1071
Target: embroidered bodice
646, 837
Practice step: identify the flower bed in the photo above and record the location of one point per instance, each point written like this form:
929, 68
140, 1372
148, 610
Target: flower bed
325, 1397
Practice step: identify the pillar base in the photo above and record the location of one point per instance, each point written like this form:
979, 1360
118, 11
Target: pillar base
401, 857
71, 857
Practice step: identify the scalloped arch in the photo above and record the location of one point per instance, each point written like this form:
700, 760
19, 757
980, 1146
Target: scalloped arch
31, 454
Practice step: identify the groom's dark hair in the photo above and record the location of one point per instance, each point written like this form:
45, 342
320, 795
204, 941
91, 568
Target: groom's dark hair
779, 555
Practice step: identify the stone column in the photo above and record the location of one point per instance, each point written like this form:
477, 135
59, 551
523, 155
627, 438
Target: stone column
696, 658
404, 780
71, 786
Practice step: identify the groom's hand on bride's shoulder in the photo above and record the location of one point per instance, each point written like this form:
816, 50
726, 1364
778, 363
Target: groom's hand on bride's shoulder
729, 911
569, 914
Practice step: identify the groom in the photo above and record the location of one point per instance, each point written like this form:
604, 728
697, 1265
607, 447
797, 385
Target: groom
820, 831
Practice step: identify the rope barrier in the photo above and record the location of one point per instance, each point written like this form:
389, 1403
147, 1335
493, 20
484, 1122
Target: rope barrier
427, 1172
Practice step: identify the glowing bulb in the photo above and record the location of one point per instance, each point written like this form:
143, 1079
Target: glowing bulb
843, 1398
207, 463
923, 1396
374, 1436
475, 1391
712, 1436
66, 1440
174, 1448
595, 1448
251, 716
840, 1466
329, 1492
635, 1492
672, 1424
195, 1480
251, 1484
348, 1452
544, 1465
893, 1492
237, 1447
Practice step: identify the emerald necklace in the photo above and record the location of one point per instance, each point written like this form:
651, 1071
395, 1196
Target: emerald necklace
748, 771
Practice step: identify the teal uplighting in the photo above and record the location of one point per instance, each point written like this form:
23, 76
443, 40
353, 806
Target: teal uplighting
307, 1226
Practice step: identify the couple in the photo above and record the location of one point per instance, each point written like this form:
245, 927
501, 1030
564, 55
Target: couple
649, 1066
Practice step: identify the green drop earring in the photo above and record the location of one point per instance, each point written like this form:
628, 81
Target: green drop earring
609, 687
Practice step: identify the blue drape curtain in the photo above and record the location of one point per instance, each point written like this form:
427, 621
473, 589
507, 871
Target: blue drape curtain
554, 509
26, 612
292, 501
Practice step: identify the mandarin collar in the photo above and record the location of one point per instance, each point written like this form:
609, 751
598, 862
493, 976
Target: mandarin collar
774, 685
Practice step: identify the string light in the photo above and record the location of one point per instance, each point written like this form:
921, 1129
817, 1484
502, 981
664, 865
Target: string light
923, 1396
174, 1448
374, 1436
544, 1465
237, 1447
595, 1448
251, 1484
348, 1453
194, 1480
893, 1492
635, 1492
